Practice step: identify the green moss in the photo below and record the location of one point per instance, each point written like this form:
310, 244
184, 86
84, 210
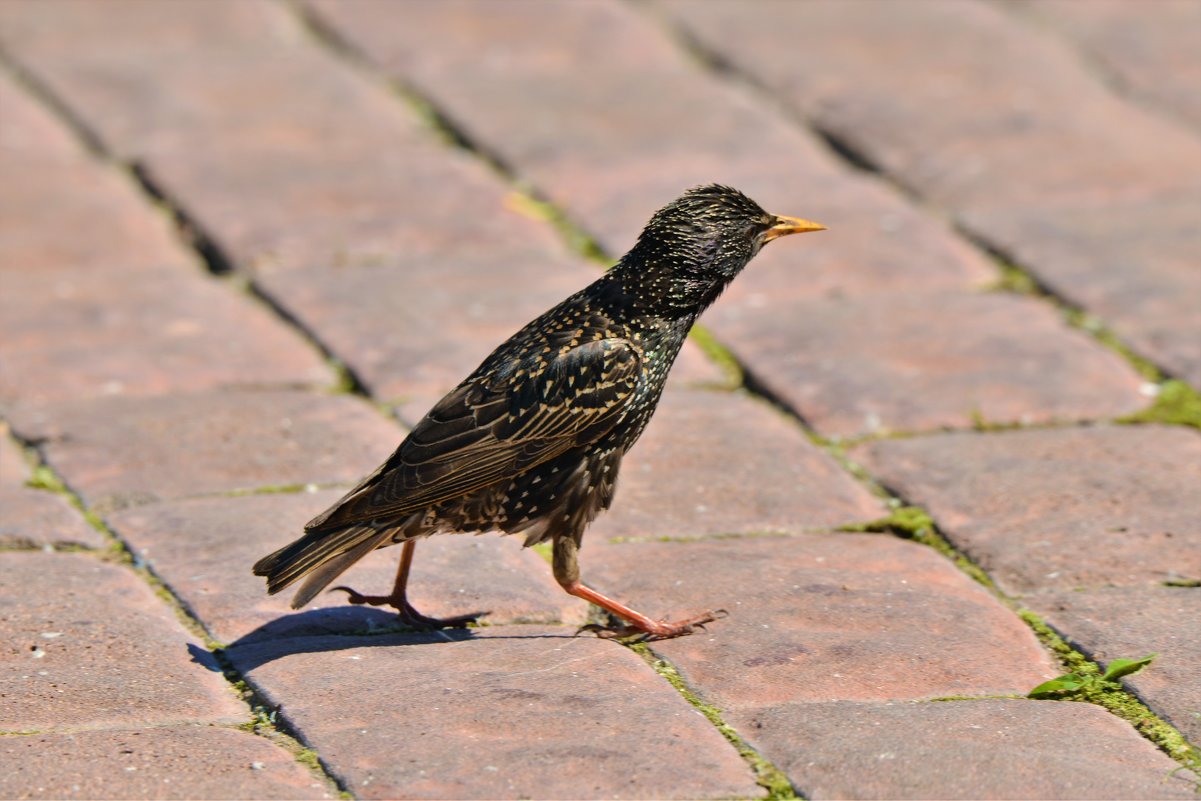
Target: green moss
270, 489
907, 521
523, 201
767, 775
1071, 659
44, 478
1093, 325
915, 523
1015, 279
1012, 696
1176, 404
719, 355
344, 381
308, 757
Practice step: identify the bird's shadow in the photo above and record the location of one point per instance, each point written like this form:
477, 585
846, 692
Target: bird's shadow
336, 629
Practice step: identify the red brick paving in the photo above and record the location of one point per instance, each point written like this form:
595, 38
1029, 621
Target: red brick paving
806, 614
1079, 507
36, 517
119, 452
928, 361
1011, 132
88, 644
118, 308
679, 480
1117, 36
185, 762
992, 749
505, 712
144, 382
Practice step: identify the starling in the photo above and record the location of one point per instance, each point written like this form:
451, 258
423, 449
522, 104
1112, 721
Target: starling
532, 440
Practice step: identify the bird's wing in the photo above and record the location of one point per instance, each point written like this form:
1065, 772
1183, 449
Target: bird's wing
485, 432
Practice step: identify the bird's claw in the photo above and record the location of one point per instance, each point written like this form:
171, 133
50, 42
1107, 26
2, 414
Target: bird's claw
358, 599
659, 630
409, 616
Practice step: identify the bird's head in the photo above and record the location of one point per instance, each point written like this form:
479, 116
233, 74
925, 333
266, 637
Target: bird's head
695, 245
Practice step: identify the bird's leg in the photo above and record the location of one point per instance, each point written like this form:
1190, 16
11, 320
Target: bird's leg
398, 600
567, 573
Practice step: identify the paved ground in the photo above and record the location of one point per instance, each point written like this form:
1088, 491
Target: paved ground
245, 244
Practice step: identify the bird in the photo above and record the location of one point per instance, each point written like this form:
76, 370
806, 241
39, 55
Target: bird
531, 442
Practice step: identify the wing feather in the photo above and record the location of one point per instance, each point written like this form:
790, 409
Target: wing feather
479, 435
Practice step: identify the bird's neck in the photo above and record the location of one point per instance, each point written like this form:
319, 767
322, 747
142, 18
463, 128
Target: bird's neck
668, 290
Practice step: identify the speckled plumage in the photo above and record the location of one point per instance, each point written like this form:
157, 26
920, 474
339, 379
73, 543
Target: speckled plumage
531, 441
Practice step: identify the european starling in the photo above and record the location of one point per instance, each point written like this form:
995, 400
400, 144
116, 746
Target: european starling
532, 440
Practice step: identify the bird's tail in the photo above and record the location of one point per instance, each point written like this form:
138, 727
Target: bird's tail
322, 556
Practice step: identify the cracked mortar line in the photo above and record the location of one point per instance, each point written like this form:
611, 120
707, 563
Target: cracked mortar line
1076, 316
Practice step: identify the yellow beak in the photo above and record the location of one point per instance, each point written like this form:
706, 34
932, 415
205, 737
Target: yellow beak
790, 225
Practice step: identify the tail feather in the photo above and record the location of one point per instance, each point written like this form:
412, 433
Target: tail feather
325, 554
334, 567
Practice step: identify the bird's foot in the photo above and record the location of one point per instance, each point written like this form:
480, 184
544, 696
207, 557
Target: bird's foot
645, 631
409, 616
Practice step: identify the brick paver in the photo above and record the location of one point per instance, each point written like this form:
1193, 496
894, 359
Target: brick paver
926, 361
508, 712
989, 749
196, 420
88, 644
806, 614
1098, 506
1154, 57
118, 308
1010, 131
676, 481
185, 762
35, 518
114, 449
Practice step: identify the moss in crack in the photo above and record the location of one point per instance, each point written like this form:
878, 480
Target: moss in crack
1020, 281
767, 775
43, 478
345, 382
1176, 404
1114, 698
905, 521
718, 354
523, 201
914, 523
1014, 279
1078, 318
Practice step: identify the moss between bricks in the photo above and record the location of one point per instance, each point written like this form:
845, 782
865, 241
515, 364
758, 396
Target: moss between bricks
1116, 700
1176, 404
767, 775
915, 523
263, 724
